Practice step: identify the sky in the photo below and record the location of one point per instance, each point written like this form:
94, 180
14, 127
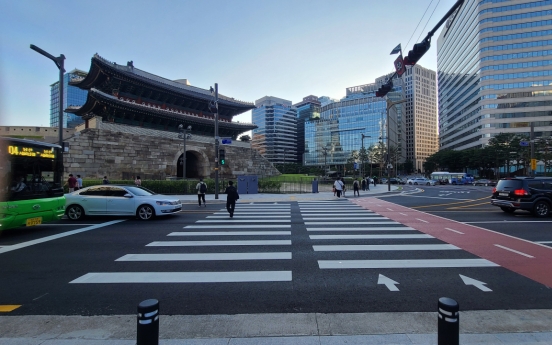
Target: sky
252, 48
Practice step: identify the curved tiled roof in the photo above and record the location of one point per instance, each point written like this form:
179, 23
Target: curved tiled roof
98, 98
154, 81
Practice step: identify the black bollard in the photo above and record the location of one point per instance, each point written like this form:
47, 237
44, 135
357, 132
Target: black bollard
448, 323
148, 323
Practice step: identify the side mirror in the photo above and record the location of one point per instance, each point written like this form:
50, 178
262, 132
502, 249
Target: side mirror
128, 195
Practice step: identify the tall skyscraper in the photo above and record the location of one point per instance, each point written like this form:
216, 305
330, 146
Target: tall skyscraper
276, 135
72, 96
308, 109
422, 138
494, 72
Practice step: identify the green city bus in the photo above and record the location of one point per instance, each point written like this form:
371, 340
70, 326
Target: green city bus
31, 173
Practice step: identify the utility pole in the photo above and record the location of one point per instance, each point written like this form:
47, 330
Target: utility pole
213, 107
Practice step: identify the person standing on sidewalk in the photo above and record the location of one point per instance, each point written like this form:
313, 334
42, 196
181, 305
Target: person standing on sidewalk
79, 182
338, 185
231, 197
356, 189
201, 188
363, 184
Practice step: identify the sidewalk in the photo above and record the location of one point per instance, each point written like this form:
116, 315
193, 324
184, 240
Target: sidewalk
493, 327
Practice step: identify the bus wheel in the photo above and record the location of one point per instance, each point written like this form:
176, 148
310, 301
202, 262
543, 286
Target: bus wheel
75, 212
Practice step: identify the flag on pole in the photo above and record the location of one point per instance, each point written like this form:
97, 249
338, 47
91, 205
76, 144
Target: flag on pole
396, 50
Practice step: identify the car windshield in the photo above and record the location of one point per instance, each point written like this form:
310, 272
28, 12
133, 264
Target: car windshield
140, 191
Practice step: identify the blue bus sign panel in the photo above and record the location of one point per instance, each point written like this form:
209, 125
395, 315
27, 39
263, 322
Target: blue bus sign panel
226, 141
523, 143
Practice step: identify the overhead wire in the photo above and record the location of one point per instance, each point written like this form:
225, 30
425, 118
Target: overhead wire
419, 23
428, 20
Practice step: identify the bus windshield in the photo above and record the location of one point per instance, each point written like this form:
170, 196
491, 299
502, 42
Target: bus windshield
31, 190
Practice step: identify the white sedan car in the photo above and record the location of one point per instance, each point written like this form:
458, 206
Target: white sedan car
119, 200
418, 180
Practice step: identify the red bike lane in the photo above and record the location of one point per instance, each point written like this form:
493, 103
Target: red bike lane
529, 259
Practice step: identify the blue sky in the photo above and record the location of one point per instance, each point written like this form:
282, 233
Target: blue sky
251, 48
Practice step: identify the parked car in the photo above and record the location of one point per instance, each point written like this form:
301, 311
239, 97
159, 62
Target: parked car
417, 181
396, 180
532, 194
119, 200
484, 182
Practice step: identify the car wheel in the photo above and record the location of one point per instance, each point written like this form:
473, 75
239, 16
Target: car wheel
508, 209
74, 212
541, 208
145, 212
428, 184
410, 183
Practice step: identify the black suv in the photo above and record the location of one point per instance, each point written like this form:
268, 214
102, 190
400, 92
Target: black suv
524, 193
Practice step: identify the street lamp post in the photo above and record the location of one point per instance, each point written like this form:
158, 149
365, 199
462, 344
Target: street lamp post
59, 61
182, 135
325, 153
214, 108
390, 104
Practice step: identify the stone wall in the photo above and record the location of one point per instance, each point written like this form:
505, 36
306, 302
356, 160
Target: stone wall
94, 153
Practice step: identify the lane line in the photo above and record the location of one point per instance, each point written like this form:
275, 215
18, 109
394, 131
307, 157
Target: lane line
404, 214
421, 220
219, 243
456, 231
514, 251
389, 209
232, 233
427, 263
245, 213
183, 277
205, 257
383, 228
55, 237
350, 223
379, 247
363, 211
510, 221
244, 226
354, 237
543, 241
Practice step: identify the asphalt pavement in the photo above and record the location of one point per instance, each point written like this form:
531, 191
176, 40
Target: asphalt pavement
476, 326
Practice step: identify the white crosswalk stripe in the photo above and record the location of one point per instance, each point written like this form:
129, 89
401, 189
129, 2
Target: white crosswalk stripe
336, 219
254, 219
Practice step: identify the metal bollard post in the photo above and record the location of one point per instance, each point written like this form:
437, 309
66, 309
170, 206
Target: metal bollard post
148, 323
448, 323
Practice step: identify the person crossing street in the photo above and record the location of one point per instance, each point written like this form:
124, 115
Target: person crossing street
231, 197
201, 188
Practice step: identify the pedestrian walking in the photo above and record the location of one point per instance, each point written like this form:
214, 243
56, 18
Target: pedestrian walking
201, 188
344, 187
356, 189
338, 187
71, 183
367, 183
79, 182
137, 180
231, 197
105, 180
363, 184
375, 178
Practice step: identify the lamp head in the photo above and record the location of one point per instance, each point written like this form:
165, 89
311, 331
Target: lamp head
180, 126
189, 128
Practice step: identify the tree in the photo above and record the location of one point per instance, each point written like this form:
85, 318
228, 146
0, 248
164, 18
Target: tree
245, 138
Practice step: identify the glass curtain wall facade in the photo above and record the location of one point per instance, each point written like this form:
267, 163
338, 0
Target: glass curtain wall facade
72, 96
331, 140
495, 72
308, 109
276, 135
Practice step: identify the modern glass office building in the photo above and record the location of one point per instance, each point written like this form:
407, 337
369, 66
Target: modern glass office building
276, 135
495, 72
331, 139
72, 96
308, 109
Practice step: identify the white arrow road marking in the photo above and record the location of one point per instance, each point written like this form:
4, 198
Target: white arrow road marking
389, 283
470, 281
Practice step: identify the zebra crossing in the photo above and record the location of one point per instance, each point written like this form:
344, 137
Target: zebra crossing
247, 231
332, 225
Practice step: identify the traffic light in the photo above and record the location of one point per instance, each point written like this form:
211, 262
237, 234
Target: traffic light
384, 89
417, 52
222, 158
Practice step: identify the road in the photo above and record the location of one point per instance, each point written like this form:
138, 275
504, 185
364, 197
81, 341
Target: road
339, 256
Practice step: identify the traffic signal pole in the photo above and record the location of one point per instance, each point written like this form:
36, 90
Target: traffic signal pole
217, 139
